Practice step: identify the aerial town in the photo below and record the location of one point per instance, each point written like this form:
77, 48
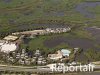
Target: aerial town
13, 55
49, 37
10, 46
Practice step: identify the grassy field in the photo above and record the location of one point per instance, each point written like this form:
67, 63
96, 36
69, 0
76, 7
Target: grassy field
15, 14
38, 43
19, 15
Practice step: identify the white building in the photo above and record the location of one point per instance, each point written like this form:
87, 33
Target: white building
56, 56
37, 53
11, 38
59, 54
7, 47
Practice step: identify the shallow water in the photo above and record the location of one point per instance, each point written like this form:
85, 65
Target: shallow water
77, 42
95, 32
82, 43
7, 1
82, 8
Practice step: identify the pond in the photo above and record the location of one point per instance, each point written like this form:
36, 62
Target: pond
7, 1
82, 8
77, 42
95, 32
72, 42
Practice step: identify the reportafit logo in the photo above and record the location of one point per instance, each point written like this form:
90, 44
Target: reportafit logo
62, 68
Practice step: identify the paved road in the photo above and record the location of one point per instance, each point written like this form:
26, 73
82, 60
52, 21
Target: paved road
39, 69
24, 69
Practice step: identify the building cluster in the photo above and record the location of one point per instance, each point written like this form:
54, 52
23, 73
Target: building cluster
44, 31
57, 30
23, 58
10, 43
37, 58
40, 58
20, 58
